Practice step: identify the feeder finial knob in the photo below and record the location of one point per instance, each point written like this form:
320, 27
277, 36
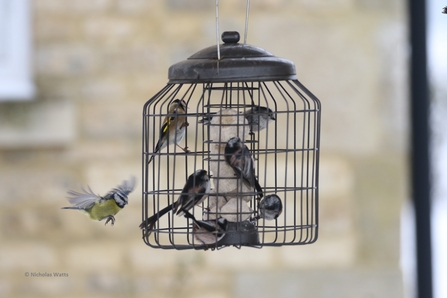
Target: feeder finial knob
231, 37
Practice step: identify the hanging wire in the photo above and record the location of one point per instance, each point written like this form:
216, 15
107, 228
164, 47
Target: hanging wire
217, 29
246, 21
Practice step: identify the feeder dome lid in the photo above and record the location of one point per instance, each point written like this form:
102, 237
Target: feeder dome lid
238, 62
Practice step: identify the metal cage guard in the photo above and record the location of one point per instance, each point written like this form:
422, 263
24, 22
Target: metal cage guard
285, 155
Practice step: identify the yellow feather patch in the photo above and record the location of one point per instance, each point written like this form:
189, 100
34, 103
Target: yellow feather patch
166, 125
102, 210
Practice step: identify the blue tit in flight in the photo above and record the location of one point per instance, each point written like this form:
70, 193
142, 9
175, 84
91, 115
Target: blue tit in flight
98, 207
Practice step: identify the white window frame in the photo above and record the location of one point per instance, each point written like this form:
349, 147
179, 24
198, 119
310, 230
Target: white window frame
16, 79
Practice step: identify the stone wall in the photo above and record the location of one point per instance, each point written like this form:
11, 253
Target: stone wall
96, 62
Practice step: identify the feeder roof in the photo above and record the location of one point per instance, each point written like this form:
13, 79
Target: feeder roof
238, 62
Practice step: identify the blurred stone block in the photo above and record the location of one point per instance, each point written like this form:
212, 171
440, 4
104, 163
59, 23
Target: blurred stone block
66, 59
232, 259
352, 283
95, 256
337, 177
137, 7
37, 124
70, 7
109, 29
27, 256
111, 120
192, 5
327, 252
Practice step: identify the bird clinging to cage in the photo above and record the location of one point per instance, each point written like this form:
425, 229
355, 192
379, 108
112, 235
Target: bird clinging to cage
208, 232
193, 193
99, 208
259, 117
270, 207
173, 128
239, 158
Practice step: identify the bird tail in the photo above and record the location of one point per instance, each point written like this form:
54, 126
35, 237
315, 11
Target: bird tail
149, 223
157, 148
259, 189
73, 207
200, 224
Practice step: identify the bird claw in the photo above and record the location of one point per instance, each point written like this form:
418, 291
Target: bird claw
110, 218
184, 149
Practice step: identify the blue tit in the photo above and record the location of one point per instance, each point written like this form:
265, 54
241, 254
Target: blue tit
259, 117
208, 232
173, 128
193, 193
99, 208
240, 160
270, 207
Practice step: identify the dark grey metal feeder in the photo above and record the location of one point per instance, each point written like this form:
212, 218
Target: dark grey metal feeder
285, 153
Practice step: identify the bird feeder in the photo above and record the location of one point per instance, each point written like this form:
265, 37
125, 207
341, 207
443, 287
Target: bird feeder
220, 93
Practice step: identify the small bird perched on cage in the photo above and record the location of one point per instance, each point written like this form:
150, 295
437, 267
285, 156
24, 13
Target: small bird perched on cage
173, 128
240, 160
208, 232
270, 207
257, 117
99, 208
193, 193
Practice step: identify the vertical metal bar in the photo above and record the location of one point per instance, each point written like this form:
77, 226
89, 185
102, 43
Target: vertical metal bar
247, 11
420, 163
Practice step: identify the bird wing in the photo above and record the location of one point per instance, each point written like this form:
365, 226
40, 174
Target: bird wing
249, 176
163, 130
189, 199
235, 161
248, 171
83, 200
166, 124
125, 188
242, 164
